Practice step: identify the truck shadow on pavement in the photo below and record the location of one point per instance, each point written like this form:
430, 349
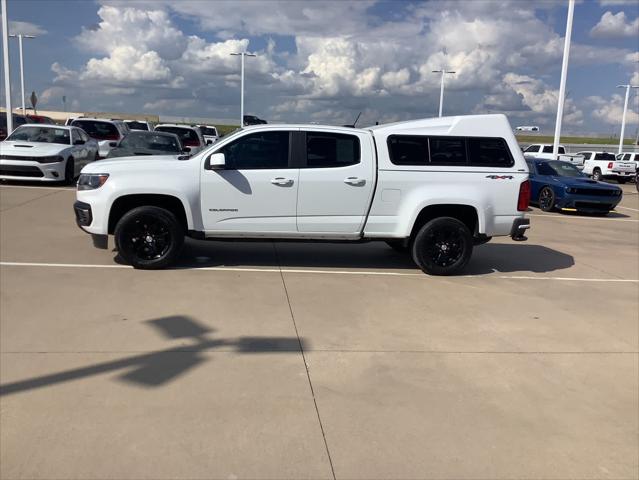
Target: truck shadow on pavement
157, 368
488, 258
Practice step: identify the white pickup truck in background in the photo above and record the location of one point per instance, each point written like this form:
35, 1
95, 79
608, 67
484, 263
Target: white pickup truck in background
603, 165
544, 151
435, 187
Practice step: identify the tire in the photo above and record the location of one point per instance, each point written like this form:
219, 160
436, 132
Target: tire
69, 171
399, 246
596, 174
149, 238
443, 246
546, 199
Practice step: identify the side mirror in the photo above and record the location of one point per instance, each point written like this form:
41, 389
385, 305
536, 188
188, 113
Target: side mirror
209, 142
78, 141
186, 149
217, 161
113, 144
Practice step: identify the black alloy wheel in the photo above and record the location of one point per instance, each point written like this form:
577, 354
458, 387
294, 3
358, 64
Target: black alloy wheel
443, 246
149, 237
546, 199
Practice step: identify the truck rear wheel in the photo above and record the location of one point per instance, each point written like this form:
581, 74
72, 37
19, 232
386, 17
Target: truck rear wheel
149, 237
596, 174
443, 246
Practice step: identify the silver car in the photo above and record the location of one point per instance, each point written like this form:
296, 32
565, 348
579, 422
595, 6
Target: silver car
46, 153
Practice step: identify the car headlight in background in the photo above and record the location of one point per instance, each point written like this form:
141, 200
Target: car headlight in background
91, 181
51, 159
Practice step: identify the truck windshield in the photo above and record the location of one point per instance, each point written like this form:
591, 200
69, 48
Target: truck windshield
558, 168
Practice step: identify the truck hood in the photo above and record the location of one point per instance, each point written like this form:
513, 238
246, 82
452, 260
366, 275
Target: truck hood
31, 149
151, 163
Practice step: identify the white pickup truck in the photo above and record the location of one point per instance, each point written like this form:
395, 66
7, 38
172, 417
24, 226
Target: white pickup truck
544, 151
436, 187
603, 165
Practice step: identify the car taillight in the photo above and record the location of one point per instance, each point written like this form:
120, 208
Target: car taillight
610, 164
524, 196
191, 143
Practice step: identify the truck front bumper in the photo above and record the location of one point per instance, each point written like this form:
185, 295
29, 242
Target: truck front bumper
83, 218
520, 225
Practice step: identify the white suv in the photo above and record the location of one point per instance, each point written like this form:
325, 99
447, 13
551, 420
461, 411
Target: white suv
105, 132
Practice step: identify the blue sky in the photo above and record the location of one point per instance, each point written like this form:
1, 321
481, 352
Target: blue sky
326, 61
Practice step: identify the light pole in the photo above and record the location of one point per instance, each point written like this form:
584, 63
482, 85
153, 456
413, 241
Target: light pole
441, 88
625, 109
564, 74
242, 55
7, 73
20, 36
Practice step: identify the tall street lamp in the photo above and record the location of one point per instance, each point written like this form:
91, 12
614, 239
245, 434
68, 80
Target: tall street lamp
242, 54
20, 36
562, 84
7, 73
441, 88
623, 117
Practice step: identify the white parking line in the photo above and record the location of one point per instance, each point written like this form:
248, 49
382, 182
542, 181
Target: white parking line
568, 217
627, 208
37, 187
323, 272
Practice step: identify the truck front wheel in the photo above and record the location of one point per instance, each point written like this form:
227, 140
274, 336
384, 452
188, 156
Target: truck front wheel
149, 237
443, 246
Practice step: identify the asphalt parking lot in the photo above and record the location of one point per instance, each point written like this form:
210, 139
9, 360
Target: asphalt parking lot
295, 361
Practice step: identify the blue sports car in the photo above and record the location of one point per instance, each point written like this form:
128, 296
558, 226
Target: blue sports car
557, 184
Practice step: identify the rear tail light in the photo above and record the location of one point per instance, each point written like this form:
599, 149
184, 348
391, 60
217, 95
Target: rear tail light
191, 143
524, 196
610, 164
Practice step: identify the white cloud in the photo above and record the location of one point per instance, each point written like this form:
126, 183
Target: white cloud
127, 64
142, 29
337, 58
614, 26
611, 3
610, 110
26, 28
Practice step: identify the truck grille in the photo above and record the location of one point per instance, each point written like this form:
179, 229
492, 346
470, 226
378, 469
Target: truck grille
19, 171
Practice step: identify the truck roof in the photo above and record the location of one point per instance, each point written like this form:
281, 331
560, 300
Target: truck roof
443, 125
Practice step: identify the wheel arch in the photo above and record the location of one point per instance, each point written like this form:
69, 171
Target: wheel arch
467, 214
126, 203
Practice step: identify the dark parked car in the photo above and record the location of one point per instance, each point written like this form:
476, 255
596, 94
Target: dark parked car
40, 119
17, 121
559, 185
253, 120
139, 142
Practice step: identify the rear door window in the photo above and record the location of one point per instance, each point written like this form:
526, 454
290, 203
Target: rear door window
532, 149
604, 156
325, 150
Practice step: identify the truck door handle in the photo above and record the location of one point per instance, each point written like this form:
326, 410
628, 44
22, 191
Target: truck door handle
354, 181
282, 181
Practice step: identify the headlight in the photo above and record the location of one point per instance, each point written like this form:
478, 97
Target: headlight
51, 159
91, 181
